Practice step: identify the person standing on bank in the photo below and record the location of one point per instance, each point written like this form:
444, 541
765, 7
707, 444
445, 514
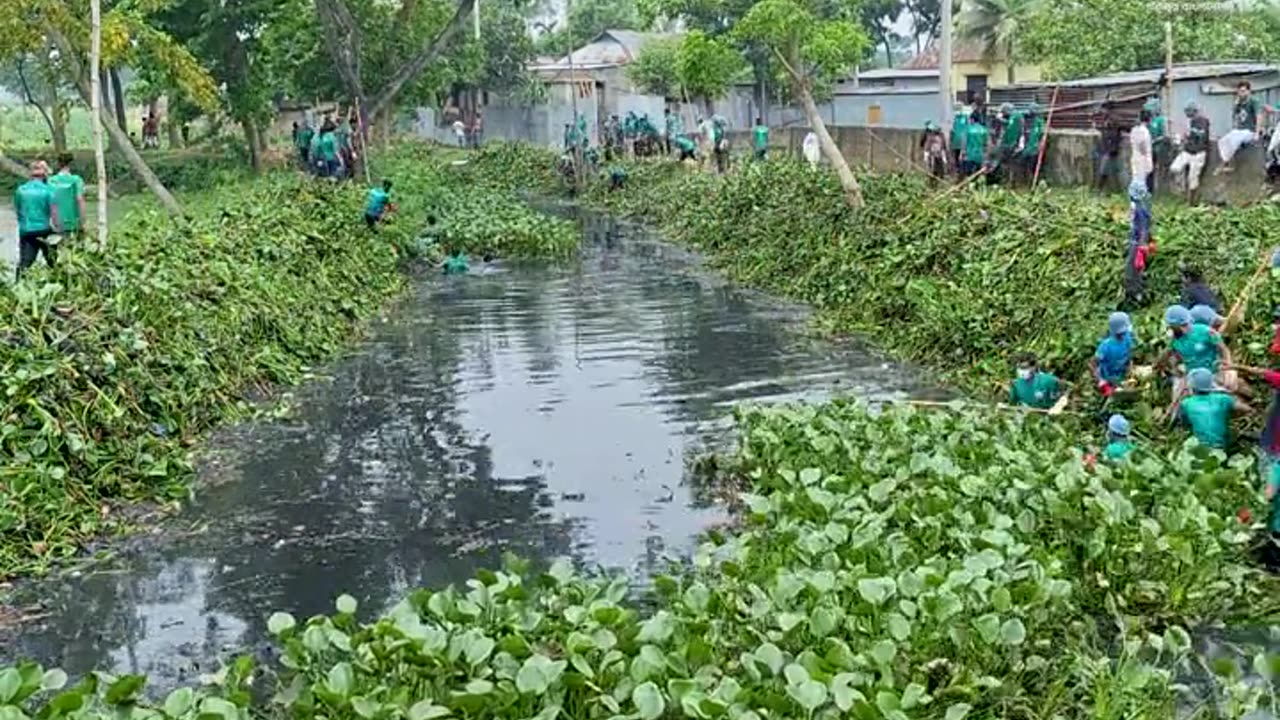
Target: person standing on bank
1107, 153
68, 198
933, 146
760, 136
1193, 154
1141, 162
1246, 126
37, 218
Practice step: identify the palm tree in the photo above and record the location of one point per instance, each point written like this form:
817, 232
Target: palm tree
996, 25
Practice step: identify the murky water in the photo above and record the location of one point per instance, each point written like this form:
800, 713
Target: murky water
544, 411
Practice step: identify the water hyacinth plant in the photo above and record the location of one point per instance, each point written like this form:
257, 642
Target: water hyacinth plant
896, 564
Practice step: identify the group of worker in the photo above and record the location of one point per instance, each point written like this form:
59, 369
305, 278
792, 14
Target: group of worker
1006, 147
378, 208
1206, 385
636, 136
50, 208
328, 152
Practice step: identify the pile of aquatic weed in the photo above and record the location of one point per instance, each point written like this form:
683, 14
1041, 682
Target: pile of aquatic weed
477, 217
113, 363
962, 279
896, 565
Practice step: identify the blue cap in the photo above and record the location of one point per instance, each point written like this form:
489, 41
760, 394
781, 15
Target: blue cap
1119, 323
1204, 315
1200, 380
1177, 316
1118, 425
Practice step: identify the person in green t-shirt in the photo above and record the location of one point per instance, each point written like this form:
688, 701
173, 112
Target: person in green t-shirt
1011, 138
617, 178
688, 149
306, 134
328, 150
1159, 129
1193, 345
1119, 444
37, 218
1033, 387
975, 146
1029, 155
68, 197
377, 203
1207, 411
456, 263
760, 134
959, 135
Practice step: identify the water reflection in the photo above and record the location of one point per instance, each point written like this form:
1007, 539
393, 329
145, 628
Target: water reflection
541, 411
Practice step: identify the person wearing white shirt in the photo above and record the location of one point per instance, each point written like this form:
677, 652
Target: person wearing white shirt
1141, 162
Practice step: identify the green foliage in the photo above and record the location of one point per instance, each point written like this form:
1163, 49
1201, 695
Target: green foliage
1092, 37
586, 20
816, 45
890, 564
696, 65
998, 26
655, 70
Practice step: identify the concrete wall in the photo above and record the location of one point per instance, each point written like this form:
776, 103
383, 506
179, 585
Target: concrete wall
1068, 159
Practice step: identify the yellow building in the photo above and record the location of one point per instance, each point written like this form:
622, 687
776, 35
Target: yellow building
970, 72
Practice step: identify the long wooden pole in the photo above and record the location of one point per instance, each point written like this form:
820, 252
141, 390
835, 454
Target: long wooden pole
95, 114
1044, 139
1236, 310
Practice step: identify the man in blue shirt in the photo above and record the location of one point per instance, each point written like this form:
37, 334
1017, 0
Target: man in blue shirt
1110, 364
37, 218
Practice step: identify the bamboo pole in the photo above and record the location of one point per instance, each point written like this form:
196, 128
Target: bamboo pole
1044, 139
1238, 308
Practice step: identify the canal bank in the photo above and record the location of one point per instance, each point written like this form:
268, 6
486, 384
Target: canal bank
542, 410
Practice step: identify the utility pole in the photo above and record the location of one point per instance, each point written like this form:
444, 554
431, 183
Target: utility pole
95, 114
1167, 100
476, 19
944, 64
573, 96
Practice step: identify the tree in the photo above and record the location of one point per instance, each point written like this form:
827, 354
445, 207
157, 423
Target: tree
95, 115
812, 49
345, 39
926, 20
587, 19
997, 25
1080, 38
879, 17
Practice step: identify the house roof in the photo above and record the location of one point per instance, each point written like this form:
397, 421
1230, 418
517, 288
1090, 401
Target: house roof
962, 51
897, 73
1181, 71
608, 49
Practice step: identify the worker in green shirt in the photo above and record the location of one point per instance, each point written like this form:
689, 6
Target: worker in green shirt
68, 198
456, 263
760, 133
1011, 138
1033, 387
1119, 444
1207, 411
959, 134
1160, 144
617, 178
1193, 345
37, 218
376, 204
1029, 156
688, 148
975, 146
306, 134
328, 150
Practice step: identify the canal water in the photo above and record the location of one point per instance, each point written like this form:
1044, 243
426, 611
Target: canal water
546, 411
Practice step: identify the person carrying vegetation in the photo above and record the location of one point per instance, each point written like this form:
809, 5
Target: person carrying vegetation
933, 147
1207, 411
760, 136
1193, 346
1140, 247
1246, 126
37, 218
456, 262
1188, 166
975, 147
1110, 362
1119, 444
68, 198
959, 136
377, 203
1032, 387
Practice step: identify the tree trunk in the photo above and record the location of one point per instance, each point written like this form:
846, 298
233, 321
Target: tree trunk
12, 167
95, 106
888, 53
31, 100
251, 140
117, 96
1010, 69
118, 135
60, 113
175, 130
852, 192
